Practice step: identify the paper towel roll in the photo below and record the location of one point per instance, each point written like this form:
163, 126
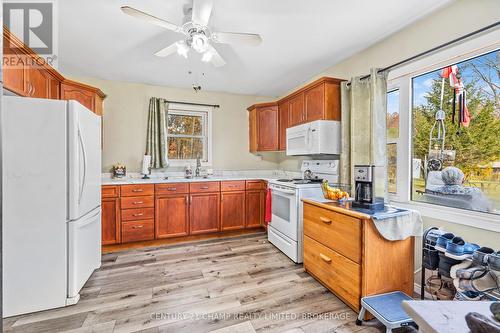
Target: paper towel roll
146, 162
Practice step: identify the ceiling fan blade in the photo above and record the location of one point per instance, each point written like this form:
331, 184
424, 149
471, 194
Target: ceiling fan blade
172, 48
150, 18
216, 59
237, 38
201, 11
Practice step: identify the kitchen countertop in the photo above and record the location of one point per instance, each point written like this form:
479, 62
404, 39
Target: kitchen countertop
360, 213
177, 179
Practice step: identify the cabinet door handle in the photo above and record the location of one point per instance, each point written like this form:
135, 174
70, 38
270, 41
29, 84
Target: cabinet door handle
33, 89
325, 220
138, 214
172, 189
137, 226
325, 258
204, 187
137, 190
137, 202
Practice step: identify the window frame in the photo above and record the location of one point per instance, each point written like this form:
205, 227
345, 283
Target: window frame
401, 78
193, 110
396, 141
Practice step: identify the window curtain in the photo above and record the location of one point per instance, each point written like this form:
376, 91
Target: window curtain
364, 109
156, 141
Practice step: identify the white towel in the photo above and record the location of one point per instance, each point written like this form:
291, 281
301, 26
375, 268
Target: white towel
401, 226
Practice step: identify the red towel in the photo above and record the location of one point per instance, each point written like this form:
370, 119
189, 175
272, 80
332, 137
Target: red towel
267, 217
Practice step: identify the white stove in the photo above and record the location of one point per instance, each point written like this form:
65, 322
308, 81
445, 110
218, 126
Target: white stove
286, 228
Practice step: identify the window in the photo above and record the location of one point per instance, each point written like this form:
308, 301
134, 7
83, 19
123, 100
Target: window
467, 137
392, 139
188, 134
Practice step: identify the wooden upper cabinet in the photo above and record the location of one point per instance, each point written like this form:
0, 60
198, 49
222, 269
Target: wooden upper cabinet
26, 74
15, 71
296, 110
322, 101
283, 123
263, 127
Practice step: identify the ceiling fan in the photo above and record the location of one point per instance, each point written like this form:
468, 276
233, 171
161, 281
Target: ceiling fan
199, 37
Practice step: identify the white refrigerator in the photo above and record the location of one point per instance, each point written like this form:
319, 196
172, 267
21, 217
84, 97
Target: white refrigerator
51, 202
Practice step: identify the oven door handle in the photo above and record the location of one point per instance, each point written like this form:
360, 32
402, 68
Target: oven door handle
281, 191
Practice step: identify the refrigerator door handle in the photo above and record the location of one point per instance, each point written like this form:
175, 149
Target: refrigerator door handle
84, 153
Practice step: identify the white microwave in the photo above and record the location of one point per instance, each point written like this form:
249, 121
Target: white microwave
314, 138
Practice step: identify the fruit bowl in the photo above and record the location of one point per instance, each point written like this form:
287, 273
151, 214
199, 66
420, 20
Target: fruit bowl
336, 192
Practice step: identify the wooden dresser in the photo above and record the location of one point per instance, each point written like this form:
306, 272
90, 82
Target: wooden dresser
344, 251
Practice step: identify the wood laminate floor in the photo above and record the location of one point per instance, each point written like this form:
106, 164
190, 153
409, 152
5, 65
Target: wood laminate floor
239, 284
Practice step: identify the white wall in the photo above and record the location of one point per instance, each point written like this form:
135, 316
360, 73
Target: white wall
126, 114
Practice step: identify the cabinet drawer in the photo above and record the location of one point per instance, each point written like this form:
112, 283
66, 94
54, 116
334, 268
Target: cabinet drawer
110, 191
201, 187
135, 190
232, 186
339, 274
137, 202
255, 185
172, 188
138, 214
337, 231
138, 231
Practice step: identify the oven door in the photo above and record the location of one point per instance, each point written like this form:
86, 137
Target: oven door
284, 211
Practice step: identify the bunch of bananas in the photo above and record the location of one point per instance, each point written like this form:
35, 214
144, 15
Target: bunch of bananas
333, 193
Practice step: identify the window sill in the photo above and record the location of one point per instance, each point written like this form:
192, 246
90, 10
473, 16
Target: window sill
486, 221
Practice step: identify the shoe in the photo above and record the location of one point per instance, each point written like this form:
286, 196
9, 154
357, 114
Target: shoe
487, 282
493, 261
471, 273
443, 240
433, 284
431, 258
445, 264
463, 265
447, 291
432, 237
459, 249
467, 296
495, 309
480, 256
479, 323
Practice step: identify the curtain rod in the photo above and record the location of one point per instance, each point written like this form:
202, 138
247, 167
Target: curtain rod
402, 62
189, 103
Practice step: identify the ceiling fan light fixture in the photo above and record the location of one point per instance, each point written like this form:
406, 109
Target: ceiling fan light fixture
182, 49
199, 42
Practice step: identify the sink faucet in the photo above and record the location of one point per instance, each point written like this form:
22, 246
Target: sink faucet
198, 167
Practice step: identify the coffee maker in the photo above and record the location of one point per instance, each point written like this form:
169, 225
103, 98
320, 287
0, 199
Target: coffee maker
365, 177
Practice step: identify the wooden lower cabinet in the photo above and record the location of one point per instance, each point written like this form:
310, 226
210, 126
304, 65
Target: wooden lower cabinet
255, 208
172, 215
141, 212
346, 253
110, 221
204, 213
232, 210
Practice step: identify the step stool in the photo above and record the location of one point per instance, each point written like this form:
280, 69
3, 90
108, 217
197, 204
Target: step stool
386, 308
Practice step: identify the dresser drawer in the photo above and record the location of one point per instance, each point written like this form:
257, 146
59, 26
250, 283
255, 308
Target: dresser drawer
137, 202
110, 191
339, 274
255, 185
339, 232
135, 190
138, 214
138, 231
232, 186
172, 188
201, 187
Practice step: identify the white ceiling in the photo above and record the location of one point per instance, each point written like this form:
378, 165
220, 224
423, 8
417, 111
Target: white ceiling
301, 38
